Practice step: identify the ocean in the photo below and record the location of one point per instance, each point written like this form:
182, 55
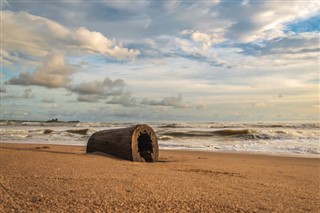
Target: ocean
275, 138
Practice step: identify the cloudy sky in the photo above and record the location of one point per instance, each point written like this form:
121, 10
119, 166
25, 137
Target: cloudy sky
158, 60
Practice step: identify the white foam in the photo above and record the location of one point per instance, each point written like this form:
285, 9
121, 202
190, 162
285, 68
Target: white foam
292, 139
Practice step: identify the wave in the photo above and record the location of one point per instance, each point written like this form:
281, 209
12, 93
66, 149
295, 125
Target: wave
78, 131
301, 138
94, 124
224, 132
244, 134
228, 132
165, 137
176, 125
47, 131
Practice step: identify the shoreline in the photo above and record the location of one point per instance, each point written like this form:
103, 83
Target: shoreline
61, 178
289, 155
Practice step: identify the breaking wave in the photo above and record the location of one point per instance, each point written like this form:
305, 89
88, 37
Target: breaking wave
275, 138
224, 132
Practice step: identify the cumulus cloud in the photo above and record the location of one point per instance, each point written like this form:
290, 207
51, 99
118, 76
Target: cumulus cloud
176, 102
211, 36
207, 39
105, 87
211, 23
34, 35
53, 73
255, 39
97, 90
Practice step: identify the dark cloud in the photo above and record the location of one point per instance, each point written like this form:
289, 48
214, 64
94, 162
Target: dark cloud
176, 102
105, 87
90, 98
97, 90
125, 100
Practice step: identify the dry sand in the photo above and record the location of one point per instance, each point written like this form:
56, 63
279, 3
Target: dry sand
48, 178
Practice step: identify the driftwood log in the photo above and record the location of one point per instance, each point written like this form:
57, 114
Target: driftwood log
137, 143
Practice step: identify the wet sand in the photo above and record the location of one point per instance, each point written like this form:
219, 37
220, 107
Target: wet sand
51, 178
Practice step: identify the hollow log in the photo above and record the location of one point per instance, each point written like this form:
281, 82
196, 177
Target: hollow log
138, 143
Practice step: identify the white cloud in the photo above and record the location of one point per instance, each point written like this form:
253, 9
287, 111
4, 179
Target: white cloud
207, 39
36, 36
95, 42
265, 20
53, 73
191, 50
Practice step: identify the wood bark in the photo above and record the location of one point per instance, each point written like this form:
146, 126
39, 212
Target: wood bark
137, 143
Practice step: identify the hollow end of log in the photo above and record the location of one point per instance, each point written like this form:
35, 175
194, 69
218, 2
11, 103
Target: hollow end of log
144, 144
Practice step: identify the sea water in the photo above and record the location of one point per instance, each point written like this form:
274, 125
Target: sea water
295, 139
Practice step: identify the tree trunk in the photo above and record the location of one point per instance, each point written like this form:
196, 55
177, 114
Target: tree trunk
137, 143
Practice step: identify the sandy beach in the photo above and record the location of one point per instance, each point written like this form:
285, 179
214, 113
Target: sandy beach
53, 178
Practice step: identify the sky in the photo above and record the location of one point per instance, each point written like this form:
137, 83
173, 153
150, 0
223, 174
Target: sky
169, 60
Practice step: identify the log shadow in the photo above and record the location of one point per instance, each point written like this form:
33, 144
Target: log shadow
47, 149
103, 154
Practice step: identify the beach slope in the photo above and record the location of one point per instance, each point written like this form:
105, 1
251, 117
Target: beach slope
52, 178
